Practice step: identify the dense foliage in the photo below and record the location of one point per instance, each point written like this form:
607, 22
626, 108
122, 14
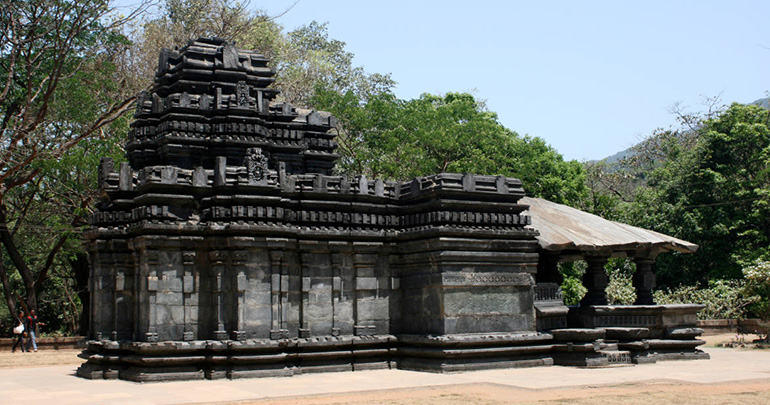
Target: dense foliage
620, 290
706, 183
572, 287
757, 278
711, 188
383, 136
63, 92
724, 299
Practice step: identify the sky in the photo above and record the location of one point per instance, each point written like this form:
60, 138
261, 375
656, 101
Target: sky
590, 77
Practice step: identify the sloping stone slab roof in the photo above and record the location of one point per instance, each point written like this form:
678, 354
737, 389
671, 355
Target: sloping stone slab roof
565, 228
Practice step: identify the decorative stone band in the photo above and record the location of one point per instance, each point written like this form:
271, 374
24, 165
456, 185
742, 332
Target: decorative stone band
548, 292
487, 279
626, 320
657, 318
555, 322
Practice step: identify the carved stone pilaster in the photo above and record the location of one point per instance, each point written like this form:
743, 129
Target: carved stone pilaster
342, 282
366, 289
190, 295
238, 260
218, 260
279, 287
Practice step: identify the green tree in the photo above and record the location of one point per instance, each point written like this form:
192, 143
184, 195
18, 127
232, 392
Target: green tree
724, 299
303, 58
61, 85
758, 285
620, 290
383, 136
709, 184
308, 58
572, 287
180, 21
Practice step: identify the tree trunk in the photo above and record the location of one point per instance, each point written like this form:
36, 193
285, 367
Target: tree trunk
18, 261
7, 290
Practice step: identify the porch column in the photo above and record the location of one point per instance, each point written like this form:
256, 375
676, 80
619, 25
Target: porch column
644, 280
548, 268
595, 280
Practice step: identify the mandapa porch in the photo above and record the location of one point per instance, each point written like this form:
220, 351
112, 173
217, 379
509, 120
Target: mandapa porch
641, 333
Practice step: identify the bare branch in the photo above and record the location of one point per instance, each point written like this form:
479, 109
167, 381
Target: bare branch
284, 12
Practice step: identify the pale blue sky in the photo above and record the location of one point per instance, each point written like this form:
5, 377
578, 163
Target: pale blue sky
590, 77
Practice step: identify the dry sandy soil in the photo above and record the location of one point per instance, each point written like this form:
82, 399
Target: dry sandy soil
489, 394
664, 392
42, 358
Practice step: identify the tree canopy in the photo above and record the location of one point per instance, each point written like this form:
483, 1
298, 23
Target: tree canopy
61, 85
383, 136
706, 183
302, 58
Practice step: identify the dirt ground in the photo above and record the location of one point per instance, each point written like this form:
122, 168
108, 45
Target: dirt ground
714, 340
41, 358
661, 391
664, 392
489, 394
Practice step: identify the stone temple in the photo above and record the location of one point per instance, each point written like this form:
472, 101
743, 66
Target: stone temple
227, 247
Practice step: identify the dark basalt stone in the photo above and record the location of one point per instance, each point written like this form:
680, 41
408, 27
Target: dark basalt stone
227, 247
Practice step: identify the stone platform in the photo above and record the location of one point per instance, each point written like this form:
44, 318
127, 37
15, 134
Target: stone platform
741, 369
581, 347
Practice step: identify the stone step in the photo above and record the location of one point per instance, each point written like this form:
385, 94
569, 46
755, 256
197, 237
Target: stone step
608, 346
617, 357
626, 334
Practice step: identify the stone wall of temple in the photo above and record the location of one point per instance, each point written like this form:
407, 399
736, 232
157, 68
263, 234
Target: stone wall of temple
226, 246
314, 255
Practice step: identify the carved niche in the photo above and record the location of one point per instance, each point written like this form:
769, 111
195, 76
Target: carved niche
242, 94
256, 165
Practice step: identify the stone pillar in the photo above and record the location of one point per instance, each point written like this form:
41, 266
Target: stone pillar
317, 289
279, 289
190, 283
342, 284
218, 268
368, 307
595, 280
124, 292
149, 261
304, 302
548, 268
644, 280
240, 285
102, 294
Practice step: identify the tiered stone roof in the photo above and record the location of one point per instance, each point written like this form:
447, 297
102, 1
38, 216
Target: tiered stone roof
212, 99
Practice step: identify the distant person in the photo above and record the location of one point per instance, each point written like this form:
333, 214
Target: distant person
32, 324
20, 321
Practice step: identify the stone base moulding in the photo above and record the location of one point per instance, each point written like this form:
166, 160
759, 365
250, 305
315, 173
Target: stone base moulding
197, 360
251, 358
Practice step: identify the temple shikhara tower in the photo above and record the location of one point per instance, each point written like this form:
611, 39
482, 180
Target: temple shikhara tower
226, 246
